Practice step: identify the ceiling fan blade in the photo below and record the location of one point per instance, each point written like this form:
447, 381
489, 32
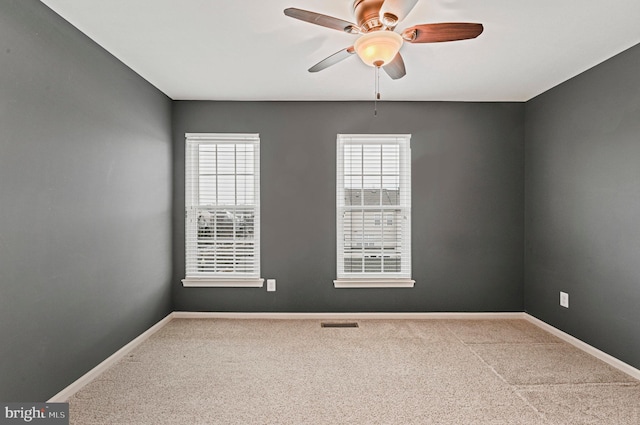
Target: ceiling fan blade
394, 11
436, 33
333, 59
395, 69
322, 20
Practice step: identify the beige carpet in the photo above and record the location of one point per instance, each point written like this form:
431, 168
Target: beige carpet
383, 372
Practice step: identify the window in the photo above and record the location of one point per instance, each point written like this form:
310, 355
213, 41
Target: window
373, 200
222, 229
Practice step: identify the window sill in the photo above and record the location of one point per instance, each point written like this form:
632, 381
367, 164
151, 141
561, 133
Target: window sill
222, 283
373, 283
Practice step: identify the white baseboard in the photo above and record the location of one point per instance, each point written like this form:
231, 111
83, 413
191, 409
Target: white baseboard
77, 385
344, 316
609, 359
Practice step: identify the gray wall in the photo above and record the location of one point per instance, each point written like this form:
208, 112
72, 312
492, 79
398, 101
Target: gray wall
583, 206
85, 203
467, 161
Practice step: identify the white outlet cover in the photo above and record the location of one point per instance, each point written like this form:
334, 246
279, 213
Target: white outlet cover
271, 285
564, 299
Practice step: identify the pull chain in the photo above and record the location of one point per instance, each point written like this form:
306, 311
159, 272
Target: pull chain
377, 64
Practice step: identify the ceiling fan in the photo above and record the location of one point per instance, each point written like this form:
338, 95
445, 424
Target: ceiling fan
378, 44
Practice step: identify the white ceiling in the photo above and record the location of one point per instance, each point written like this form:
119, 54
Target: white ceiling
249, 50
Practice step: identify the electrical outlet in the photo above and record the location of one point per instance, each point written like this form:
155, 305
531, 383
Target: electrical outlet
271, 285
564, 299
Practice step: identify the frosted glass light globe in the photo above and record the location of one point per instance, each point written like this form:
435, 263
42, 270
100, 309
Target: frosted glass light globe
378, 48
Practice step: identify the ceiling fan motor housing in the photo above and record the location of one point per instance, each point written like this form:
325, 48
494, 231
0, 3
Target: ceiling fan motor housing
367, 14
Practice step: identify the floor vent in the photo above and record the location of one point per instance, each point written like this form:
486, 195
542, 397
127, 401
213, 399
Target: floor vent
340, 325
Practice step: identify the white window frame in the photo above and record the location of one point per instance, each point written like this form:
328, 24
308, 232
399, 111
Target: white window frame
195, 277
382, 279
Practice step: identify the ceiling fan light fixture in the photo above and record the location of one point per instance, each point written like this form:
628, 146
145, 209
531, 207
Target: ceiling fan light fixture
378, 48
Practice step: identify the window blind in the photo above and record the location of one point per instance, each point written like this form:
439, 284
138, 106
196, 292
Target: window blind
373, 206
222, 173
